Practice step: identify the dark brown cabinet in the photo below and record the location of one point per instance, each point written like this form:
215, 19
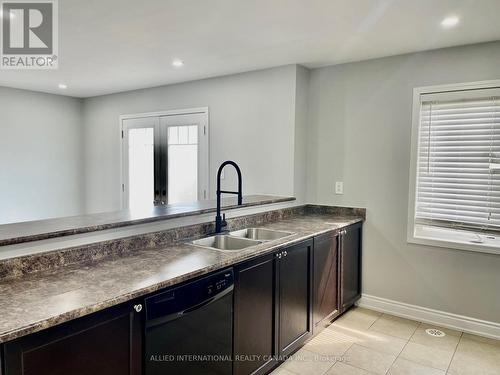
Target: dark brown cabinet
272, 308
254, 316
104, 343
350, 266
325, 279
294, 296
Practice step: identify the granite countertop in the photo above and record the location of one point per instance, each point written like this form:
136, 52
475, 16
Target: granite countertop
43, 229
44, 299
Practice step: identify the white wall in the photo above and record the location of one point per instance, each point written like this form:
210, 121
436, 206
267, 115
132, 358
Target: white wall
301, 130
359, 123
40, 156
252, 117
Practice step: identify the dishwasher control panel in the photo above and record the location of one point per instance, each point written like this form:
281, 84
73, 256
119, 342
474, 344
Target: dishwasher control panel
177, 300
219, 284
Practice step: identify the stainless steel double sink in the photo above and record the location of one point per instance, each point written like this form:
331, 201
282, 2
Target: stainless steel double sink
241, 239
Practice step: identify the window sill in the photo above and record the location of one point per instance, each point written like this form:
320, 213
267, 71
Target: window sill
454, 239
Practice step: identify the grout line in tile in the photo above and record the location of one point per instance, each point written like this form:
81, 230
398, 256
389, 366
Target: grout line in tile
399, 355
329, 368
282, 367
454, 352
378, 350
293, 372
375, 350
421, 364
359, 368
375, 321
398, 337
407, 341
413, 334
310, 351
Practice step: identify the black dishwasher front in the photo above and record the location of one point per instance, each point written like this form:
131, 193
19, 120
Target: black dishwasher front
189, 329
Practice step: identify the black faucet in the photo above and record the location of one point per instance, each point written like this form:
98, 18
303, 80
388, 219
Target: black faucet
220, 222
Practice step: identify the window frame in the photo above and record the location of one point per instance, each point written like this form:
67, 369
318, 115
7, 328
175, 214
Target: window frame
444, 237
203, 142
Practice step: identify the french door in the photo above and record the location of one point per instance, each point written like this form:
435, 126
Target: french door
165, 158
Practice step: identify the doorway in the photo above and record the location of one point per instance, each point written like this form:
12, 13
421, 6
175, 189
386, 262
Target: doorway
165, 158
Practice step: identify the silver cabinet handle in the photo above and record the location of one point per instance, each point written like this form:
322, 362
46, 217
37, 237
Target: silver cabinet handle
138, 308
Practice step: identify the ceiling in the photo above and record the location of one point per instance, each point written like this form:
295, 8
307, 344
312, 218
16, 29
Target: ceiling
109, 46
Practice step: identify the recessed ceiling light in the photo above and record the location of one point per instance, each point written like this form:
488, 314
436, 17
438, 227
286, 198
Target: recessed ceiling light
449, 22
63, 86
177, 63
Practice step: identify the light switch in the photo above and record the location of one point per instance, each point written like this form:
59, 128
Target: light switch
339, 187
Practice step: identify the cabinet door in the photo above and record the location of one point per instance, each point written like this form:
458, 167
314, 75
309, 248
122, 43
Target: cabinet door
105, 343
350, 260
254, 316
295, 296
325, 278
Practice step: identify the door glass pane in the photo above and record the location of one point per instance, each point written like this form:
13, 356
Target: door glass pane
141, 168
182, 164
193, 134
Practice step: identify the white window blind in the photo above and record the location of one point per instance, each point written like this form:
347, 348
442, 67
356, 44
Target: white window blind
458, 171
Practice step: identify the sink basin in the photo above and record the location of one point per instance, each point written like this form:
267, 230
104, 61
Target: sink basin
225, 242
240, 239
260, 234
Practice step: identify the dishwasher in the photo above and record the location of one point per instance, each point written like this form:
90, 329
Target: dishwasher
189, 328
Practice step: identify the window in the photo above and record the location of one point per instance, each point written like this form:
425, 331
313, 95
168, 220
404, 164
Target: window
165, 158
183, 163
455, 181
141, 167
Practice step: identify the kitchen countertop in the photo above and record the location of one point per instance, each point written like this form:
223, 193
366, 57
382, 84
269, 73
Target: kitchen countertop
43, 229
44, 299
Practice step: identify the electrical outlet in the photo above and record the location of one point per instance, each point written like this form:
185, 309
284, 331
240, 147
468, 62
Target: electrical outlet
339, 187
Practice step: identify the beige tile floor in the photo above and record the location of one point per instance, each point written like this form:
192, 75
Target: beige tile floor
364, 342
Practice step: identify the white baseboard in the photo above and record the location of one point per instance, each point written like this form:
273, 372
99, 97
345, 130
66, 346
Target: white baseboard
426, 315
